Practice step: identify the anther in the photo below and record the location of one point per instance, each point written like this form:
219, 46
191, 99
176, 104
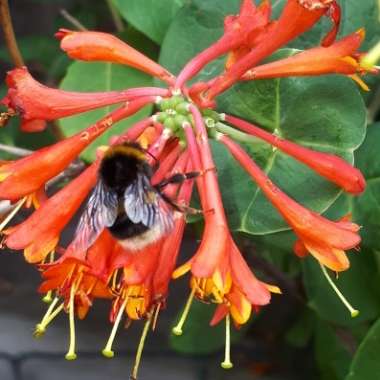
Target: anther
354, 312
40, 328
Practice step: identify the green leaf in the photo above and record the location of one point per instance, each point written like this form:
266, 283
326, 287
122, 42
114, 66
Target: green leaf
198, 336
358, 284
93, 77
324, 113
366, 363
151, 17
300, 333
332, 357
366, 208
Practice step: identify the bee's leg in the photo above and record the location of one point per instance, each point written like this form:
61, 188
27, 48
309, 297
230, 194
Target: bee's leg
181, 208
176, 178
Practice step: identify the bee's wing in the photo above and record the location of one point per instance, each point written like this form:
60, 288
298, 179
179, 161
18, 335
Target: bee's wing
143, 204
100, 212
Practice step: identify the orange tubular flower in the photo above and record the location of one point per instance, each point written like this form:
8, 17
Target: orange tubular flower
240, 31
324, 239
97, 46
338, 58
26, 175
217, 267
77, 278
37, 103
333, 168
91, 266
40, 233
297, 17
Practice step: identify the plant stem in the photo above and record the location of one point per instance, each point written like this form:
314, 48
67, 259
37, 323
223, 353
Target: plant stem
72, 20
9, 35
117, 20
21, 152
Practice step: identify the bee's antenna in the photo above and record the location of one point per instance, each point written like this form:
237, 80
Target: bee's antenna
151, 155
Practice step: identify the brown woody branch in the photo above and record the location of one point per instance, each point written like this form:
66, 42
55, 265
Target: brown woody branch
9, 35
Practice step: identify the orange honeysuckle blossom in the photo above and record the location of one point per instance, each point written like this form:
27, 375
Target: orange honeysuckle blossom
40, 233
77, 278
37, 103
329, 166
96, 46
303, 15
28, 174
324, 239
239, 31
339, 58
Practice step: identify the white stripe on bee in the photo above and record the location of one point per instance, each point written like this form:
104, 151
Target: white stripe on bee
138, 243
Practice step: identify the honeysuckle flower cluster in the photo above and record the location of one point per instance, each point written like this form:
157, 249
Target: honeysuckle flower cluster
177, 135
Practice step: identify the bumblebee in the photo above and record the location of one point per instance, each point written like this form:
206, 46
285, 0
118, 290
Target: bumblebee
125, 202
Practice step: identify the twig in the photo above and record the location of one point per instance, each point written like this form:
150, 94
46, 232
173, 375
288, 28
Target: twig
57, 131
72, 20
9, 34
21, 152
72, 170
115, 16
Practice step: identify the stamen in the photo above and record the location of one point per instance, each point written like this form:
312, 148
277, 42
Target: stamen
71, 355
140, 349
227, 364
107, 351
354, 313
48, 317
177, 330
12, 213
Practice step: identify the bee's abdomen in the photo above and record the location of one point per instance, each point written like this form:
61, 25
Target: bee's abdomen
124, 228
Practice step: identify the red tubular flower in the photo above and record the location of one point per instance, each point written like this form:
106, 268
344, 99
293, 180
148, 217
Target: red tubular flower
93, 268
327, 165
97, 46
297, 17
39, 234
37, 103
324, 239
339, 58
77, 278
134, 289
240, 30
217, 264
27, 175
